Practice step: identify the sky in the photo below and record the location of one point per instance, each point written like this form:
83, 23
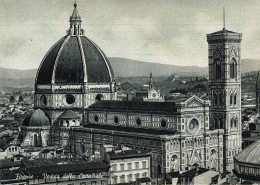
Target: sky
162, 31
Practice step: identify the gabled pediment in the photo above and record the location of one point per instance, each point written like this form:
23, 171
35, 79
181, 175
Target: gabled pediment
194, 101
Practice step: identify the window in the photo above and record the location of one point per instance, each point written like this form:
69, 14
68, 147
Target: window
220, 99
130, 177
93, 183
137, 175
83, 183
122, 179
235, 99
233, 69
83, 148
114, 167
43, 100
136, 165
163, 123
144, 164
231, 99
122, 167
217, 69
70, 99
99, 97
144, 174
221, 123
138, 121
96, 118
114, 180
215, 99
116, 120
129, 166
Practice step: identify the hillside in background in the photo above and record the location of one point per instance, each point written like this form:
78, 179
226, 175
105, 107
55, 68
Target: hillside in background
131, 68
126, 68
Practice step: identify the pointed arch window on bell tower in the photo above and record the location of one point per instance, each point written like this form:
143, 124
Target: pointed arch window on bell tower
233, 69
217, 70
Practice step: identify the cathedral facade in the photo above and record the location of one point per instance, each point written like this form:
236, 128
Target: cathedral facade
75, 87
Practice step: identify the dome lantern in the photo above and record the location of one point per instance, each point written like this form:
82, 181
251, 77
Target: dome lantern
75, 23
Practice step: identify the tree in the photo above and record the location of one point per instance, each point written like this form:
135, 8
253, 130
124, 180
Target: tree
20, 98
12, 99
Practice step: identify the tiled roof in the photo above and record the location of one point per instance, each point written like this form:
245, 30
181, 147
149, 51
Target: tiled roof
223, 31
250, 154
125, 154
138, 106
64, 61
153, 132
69, 114
36, 118
5, 163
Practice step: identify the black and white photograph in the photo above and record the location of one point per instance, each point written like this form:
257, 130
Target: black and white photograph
129, 92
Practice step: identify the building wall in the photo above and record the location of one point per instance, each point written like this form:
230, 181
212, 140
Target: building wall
127, 170
54, 104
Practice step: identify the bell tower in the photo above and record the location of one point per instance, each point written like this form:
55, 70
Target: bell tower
225, 90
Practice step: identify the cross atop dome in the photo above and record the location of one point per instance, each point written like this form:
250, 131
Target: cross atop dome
75, 22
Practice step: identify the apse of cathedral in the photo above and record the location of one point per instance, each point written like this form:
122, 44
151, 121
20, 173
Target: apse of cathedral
75, 89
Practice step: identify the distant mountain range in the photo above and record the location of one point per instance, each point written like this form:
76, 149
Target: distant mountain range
123, 67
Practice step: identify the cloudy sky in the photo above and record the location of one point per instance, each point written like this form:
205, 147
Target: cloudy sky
171, 32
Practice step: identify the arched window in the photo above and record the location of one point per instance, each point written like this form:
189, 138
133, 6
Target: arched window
235, 99
99, 97
221, 123
217, 70
215, 99
163, 123
216, 123
220, 99
35, 138
231, 99
233, 69
138, 121
116, 120
83, 148
235, 123
96, 118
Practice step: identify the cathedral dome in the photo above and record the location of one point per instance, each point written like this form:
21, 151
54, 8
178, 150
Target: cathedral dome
74, 59
36, 119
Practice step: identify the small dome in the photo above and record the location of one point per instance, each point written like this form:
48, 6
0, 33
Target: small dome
250, 154
37, 118
69, 114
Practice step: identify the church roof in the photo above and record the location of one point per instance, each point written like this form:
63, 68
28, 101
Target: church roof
69, 114
37, 118
223, 31
74, 59
149, 131
136, 106
250, 154
224, 35
126, 154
